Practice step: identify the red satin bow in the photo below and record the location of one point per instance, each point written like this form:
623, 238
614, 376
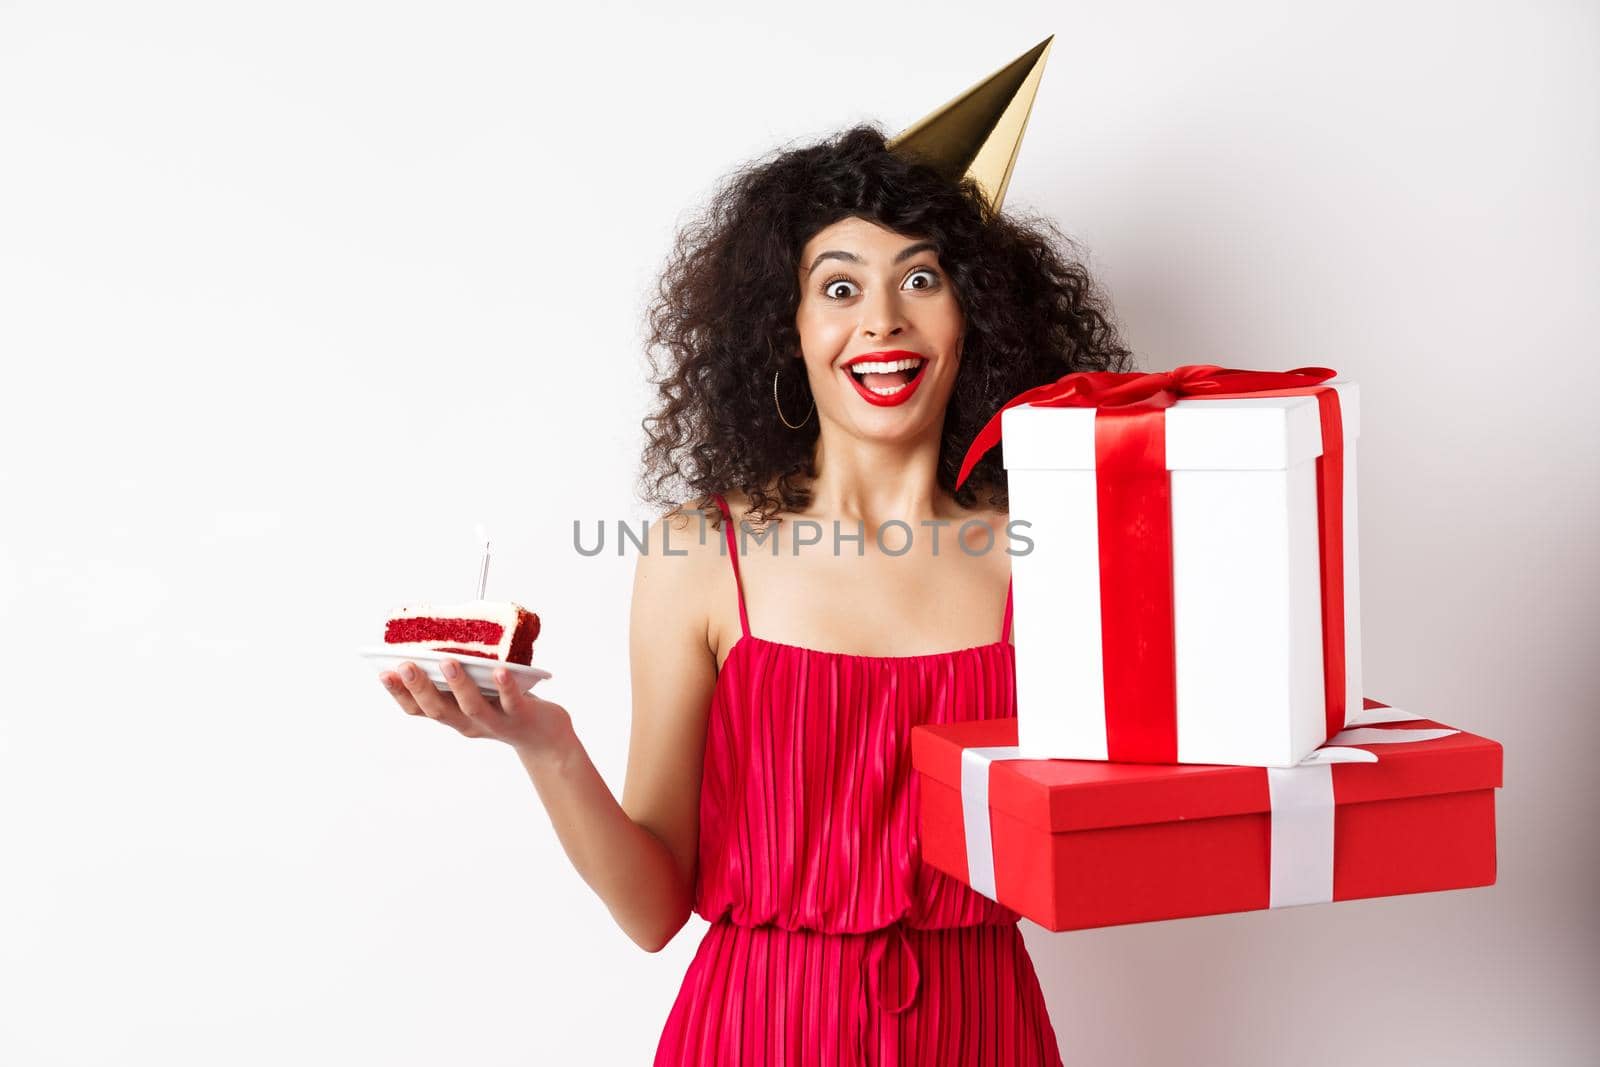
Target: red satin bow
1152, 392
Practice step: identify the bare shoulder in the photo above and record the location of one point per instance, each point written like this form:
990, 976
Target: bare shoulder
673, 569
996, 520
738, 503
684, 532
1003, 545
995, 517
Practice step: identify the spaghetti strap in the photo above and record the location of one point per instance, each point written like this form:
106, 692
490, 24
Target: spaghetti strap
1005, 630
733, 554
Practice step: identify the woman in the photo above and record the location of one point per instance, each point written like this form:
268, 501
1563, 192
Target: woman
768, 783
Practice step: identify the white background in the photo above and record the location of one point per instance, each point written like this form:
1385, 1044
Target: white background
293, 294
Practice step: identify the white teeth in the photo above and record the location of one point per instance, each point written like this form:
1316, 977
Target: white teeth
884, 368
860, 369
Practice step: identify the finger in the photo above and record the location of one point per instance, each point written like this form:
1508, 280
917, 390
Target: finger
434, 704
445, 707
397, 689
468, 696
510, 700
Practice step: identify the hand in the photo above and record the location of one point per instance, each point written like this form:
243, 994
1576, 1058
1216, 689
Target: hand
519, 719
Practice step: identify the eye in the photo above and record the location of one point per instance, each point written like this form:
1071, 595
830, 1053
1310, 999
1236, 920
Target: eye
828, 287
933, 278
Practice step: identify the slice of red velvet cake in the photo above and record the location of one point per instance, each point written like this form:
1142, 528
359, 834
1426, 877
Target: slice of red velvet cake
491, 629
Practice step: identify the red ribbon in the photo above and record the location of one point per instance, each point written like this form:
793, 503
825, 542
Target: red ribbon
1134, 494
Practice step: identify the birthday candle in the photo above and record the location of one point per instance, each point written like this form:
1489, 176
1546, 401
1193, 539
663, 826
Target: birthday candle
483, 567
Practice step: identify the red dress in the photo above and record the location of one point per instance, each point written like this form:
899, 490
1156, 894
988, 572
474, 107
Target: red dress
830, 943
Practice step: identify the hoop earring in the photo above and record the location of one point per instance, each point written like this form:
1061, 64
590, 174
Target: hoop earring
786, 422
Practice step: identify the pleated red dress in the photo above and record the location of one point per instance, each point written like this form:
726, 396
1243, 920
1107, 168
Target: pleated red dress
830, 943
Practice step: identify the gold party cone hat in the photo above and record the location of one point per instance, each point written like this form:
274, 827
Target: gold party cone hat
979, 132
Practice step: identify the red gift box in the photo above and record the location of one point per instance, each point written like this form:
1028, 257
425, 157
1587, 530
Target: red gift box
1073, 844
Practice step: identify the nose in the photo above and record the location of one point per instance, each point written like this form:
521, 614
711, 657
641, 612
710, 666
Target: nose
882, 315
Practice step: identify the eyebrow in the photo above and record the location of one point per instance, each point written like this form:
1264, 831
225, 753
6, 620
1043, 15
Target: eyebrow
905, 253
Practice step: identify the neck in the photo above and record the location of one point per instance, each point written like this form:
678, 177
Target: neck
878, 481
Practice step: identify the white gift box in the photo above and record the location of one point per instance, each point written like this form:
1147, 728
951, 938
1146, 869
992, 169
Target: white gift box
1246, 601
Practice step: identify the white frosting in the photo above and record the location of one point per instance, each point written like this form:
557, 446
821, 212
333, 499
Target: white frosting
500, 611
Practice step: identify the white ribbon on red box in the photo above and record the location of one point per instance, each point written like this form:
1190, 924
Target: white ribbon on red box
1301, 797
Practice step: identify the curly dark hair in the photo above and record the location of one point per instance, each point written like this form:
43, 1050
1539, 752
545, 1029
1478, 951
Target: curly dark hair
723, 318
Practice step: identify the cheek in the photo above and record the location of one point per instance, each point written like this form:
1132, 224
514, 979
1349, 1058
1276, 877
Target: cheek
954, 327
821, 334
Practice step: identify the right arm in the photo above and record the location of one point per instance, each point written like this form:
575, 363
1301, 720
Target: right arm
639, 855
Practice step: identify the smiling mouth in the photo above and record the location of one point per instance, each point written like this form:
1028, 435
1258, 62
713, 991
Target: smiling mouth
887, 378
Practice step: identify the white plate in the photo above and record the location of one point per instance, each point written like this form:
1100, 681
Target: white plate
480, 670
